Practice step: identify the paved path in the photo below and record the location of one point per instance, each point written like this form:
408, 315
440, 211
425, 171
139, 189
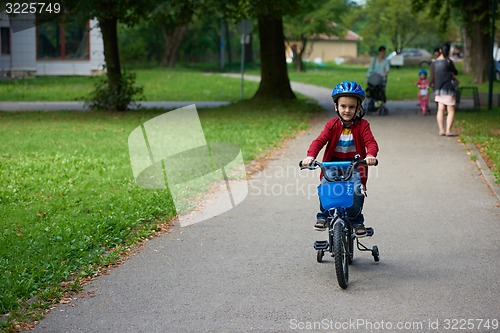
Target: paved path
253, 268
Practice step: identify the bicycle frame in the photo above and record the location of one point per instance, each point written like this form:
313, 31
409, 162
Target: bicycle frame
341, 237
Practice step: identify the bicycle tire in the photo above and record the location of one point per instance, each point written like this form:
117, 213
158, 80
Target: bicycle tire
319, 255
341, 255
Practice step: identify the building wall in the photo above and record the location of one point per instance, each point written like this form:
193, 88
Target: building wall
328, 50
93, 66
22, 60
4, 59
96, 49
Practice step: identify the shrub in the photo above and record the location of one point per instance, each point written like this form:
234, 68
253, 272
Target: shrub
119, 98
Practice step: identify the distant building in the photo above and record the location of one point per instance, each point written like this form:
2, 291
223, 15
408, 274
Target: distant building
328, 47
58, 47
323, 47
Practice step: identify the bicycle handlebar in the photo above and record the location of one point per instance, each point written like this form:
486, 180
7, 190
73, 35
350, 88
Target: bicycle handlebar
342, 164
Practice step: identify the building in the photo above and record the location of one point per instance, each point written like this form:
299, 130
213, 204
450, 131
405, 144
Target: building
324, 47
61, 46
328, 47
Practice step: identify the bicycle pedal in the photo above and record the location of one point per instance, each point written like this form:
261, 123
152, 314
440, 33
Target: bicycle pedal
320, 245
369, 232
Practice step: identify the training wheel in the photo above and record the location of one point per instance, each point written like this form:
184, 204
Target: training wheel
375, 253
319, 255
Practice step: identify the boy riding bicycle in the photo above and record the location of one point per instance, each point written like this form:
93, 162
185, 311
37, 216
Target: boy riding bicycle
346, 136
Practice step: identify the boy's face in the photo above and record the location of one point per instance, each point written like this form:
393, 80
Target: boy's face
347, 107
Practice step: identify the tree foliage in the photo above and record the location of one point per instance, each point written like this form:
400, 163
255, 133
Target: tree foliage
475, 19
315, 17
173, 17
108, 14
394, 24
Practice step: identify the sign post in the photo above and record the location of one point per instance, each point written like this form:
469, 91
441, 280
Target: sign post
244, 27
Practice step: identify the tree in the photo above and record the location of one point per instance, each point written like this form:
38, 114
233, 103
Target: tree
392, 22
274, 81
173, 16
475, 17
108, 14
315, 17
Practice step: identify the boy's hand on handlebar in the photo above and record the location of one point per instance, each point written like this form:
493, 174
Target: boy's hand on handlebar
307, 161
370, 160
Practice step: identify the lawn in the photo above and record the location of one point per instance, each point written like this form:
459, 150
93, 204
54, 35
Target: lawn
400, 83
159, 85
483, 129
184, 84
68, 201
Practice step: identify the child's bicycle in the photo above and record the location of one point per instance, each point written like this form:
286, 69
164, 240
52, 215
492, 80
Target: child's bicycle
336, 195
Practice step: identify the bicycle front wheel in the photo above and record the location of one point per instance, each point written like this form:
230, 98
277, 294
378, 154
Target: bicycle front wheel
341, 254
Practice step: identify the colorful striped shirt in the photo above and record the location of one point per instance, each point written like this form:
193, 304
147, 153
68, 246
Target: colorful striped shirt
345, 150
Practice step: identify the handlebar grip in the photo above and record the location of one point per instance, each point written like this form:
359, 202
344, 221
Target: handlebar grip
314, 164
363, 162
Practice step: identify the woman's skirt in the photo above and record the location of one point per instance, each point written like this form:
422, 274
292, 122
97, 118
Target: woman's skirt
445, 99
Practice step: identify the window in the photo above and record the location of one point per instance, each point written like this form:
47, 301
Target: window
5, 38
63, 38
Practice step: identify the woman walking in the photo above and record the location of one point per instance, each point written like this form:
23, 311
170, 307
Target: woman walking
444, 83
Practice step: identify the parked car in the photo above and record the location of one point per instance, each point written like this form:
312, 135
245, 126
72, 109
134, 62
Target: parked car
409, 57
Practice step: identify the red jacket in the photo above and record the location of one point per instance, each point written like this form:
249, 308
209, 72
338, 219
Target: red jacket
363, 140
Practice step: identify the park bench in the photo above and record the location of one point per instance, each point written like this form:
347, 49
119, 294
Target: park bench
468, 101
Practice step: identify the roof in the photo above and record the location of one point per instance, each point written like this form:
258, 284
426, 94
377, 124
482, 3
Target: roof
349, 36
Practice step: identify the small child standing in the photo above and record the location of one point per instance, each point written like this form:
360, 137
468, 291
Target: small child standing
423, 91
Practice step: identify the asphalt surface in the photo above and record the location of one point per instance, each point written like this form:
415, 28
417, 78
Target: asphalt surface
254, 269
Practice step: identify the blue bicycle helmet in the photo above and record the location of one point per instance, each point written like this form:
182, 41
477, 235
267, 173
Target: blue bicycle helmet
348, 88
422, 71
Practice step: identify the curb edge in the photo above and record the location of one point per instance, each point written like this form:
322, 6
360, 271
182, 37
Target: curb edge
485, 170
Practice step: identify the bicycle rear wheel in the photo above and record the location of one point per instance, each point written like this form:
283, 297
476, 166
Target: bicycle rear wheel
341, 254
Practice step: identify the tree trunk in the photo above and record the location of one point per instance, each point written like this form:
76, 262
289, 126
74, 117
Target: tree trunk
172, 40
111, 56
467, 52
296, 59
249, 50
480, 54
478, 29
228, 44
274, 82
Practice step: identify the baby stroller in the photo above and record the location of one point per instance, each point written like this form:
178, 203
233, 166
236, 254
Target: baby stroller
375, 95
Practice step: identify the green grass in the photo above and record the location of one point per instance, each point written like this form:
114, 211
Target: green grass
400, 84
483, 129
68, 200
159, 85
185, 84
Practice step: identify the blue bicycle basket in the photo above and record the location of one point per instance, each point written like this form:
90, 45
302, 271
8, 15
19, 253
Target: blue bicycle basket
336, 194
